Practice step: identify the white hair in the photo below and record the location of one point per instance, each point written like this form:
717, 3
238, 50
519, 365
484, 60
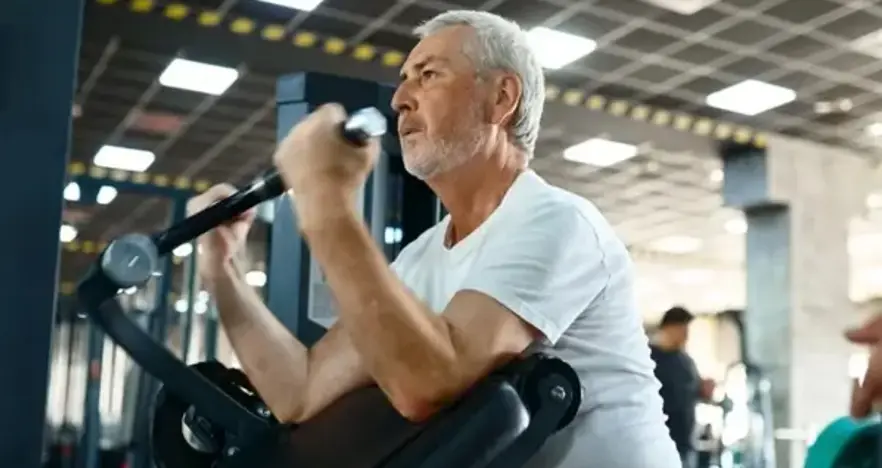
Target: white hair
502, 45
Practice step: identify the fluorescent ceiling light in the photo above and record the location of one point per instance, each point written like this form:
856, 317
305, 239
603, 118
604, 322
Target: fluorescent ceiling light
600, 152
72, 192
554, 49
736, 226
716, 176
106, 194
870, 44
751, 97
838, 105
183, 250
67, 233
303, 5
677, 244
875, 129
124, 159
198, 77
874, 201
683, 7
255, 278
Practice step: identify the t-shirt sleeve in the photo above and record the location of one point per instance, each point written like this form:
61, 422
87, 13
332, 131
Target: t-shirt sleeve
547, 268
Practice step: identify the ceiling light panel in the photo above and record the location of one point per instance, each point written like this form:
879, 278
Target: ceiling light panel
198, 77
555, 49
600, 152
751, 97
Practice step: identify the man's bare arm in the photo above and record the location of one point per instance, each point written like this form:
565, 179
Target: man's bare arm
294, 382
334, 369
421, 360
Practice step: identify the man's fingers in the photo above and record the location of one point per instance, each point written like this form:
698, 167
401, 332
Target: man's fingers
864, 335
246, 215
866, 392
868, 333
217, 192
332, 112
213, 194
862, 397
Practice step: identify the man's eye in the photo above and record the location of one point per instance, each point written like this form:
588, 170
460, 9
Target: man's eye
429, 74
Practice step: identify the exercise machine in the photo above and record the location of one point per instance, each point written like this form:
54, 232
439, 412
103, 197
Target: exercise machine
208, 415
847, 443
748, 431
844, 443
748, 425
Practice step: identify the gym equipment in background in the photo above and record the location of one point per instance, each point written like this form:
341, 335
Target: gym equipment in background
846, 443
748, 428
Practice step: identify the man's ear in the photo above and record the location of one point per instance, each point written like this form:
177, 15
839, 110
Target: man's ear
508, 95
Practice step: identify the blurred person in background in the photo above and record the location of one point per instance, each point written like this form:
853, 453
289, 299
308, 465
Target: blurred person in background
681, 386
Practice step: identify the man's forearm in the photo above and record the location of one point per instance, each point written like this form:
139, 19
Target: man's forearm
275, 362
406, 348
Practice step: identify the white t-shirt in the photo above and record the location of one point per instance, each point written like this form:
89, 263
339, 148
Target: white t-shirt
551, 258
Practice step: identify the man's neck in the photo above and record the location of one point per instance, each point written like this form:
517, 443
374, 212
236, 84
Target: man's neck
471, 192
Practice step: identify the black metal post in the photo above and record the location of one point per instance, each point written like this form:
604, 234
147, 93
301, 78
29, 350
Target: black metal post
38, 61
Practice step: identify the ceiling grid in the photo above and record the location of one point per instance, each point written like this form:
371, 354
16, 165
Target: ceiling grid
644, 54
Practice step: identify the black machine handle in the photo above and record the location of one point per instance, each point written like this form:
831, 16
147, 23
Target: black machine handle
132, 259
357, 130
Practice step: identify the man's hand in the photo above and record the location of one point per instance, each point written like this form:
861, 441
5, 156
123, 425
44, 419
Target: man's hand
864, 394
706, 389
219, 245
320, 167
870, 333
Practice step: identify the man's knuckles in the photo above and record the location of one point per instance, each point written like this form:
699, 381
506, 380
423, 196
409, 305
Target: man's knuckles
215, 193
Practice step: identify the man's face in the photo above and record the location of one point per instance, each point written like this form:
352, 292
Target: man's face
680, 334
440, 104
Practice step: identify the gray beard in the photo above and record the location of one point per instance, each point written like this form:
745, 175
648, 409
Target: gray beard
441, 156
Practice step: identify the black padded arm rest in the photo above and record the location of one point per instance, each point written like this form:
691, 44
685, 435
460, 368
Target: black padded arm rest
363, 430
470, 434
358, 431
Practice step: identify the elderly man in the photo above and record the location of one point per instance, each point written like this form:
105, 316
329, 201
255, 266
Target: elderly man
517, 266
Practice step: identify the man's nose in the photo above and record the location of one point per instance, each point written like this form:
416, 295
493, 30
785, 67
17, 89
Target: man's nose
402, 99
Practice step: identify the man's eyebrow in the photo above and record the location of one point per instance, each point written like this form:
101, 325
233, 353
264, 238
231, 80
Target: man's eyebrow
422, 64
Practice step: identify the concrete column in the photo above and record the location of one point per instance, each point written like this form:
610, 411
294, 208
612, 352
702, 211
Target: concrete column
798, 198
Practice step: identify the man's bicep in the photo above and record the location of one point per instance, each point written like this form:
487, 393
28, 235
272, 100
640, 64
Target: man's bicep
485, 334
546, 273
334, 369
479, 321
